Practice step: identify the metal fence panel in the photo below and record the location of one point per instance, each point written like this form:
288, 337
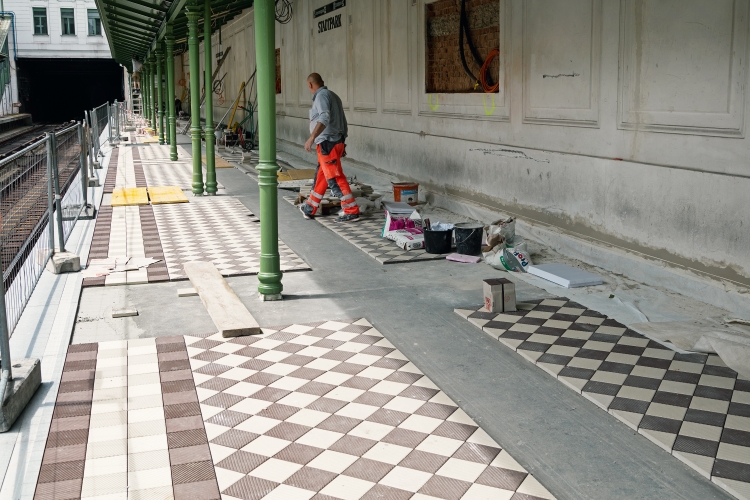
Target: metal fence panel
69, 168
24, 234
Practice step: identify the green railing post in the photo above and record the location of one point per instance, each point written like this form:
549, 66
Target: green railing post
159, 94
169, 41
210, 137
270, 286
194, 11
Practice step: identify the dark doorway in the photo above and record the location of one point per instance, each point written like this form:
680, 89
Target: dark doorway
58, 90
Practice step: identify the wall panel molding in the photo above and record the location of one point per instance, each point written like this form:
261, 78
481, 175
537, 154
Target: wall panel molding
396, 57
468, 106
698, 90
364, 55
562, 57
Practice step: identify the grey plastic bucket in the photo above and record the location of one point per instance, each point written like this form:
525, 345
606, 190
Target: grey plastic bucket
468, 238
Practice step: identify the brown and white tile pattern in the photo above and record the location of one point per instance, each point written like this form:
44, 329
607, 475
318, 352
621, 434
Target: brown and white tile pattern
333, 410
62, 472
127, 425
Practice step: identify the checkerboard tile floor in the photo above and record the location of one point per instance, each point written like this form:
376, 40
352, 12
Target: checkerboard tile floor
365, 235
332, 410
218, 230
172, 174
691, 405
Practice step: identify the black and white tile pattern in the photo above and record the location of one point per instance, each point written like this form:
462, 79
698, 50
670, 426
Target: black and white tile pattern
365, 235
691, 405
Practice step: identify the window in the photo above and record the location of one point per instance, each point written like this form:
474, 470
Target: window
68, 22
40, 21
95, 24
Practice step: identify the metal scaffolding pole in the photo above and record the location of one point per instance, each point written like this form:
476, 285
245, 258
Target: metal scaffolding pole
210, 137
270, 286
194, 11
159, 94
169, 41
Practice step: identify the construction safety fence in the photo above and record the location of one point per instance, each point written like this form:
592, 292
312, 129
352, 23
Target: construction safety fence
43, 184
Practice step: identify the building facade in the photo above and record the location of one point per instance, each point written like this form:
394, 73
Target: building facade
50, 30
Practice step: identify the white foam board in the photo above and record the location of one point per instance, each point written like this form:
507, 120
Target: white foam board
564, 275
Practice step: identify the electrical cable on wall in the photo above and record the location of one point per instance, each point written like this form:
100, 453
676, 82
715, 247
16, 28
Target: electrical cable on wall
484, 64
283, 11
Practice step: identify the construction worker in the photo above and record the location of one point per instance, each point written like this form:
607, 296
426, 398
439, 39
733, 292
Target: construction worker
328, 131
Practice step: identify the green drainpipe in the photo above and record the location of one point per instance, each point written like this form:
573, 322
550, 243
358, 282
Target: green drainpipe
270, 286
194, 11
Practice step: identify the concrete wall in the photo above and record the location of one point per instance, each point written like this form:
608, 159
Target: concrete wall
623, 121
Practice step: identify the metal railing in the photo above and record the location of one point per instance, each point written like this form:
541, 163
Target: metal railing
39, 185
43, 191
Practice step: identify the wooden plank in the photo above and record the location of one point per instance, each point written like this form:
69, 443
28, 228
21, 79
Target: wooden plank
219, 162
124, 197
296, 174
162, 195
227, 311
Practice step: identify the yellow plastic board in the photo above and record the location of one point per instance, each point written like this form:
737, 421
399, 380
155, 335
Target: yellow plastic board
296, 175
149, 140
219, 162
162, 195
124, 197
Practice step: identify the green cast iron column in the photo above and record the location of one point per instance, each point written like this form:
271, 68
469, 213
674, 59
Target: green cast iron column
194, 11
144, 91
270, 286
208, 79
159, 93
152, 96
151, 100
169, 41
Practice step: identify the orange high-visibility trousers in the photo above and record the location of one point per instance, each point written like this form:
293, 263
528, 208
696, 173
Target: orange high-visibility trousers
330, 174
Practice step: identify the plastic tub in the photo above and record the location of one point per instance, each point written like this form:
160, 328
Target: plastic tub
438, 242
469, 238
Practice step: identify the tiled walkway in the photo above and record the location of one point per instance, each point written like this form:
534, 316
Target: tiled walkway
126, 425
327, 411
365, 235
217, 229
691, 405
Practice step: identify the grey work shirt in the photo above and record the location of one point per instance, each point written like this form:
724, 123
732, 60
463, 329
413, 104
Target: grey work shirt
328, 110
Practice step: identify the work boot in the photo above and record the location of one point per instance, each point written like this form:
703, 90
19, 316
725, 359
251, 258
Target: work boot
347, 218
305, 214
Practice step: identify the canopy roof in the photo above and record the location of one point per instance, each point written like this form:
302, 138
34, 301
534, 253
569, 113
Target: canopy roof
133, 27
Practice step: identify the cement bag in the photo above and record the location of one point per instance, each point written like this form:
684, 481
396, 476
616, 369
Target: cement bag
505, 228
508, 259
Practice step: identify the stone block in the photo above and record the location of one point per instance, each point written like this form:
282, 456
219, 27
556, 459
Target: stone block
27, 377
64, 262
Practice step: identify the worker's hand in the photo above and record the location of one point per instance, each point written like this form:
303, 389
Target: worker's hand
309, 144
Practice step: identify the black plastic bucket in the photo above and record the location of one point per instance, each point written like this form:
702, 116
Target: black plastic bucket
468, 238
438, 241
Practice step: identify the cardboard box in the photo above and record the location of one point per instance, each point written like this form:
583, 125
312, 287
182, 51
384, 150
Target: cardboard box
499, 295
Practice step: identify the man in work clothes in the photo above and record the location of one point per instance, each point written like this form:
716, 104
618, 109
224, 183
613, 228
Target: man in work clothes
328, 131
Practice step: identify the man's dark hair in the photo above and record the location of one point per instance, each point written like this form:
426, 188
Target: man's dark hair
315, 79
